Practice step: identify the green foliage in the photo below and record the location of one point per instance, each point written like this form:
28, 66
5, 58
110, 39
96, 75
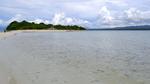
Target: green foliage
68, 27
24, 25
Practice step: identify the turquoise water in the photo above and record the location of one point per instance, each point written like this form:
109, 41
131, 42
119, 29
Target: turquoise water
124, 52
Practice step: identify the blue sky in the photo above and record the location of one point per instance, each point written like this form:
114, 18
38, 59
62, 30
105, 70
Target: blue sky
88, 13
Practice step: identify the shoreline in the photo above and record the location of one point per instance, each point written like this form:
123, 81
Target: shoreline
7, 34
14, 32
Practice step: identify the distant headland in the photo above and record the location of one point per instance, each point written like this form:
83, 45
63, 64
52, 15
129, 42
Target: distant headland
25, 25
141, 27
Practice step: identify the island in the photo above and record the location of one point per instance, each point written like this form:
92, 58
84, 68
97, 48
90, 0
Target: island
25, 25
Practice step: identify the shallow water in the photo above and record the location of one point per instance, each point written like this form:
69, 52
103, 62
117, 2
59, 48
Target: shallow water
86, 57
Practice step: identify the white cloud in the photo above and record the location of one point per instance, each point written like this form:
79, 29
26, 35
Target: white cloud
58, 18
41, 21
105, 15
134, 14
91, 13
1, 21
61, 18
106, 18
17, 17
137, 15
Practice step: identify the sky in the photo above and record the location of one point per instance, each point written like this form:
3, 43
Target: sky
87, 13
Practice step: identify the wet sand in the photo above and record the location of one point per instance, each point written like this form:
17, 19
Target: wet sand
44, 57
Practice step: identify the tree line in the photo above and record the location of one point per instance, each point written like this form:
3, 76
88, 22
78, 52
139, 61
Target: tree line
24, 25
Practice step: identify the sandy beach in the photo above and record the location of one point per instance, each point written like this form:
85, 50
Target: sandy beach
60, 57
10, 33
6, 34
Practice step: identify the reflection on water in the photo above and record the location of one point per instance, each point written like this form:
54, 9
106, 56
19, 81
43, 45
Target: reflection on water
86, 57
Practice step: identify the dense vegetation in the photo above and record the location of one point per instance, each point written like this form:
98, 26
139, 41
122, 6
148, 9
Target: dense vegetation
24, 25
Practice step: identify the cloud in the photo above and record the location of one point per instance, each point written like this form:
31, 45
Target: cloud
58, 18
137, 15
90, 13
134, 16
105, 16
17, 17
40, 21
131, 16
1, 21
61, 18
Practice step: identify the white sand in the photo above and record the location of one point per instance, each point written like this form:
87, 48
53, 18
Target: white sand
3, 35
6, 34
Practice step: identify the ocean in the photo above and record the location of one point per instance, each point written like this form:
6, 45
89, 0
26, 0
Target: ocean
79, 57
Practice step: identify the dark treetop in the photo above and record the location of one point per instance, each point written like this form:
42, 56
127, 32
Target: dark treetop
24, 25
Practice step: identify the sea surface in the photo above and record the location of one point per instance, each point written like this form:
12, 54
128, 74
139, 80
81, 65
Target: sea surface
82, 57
